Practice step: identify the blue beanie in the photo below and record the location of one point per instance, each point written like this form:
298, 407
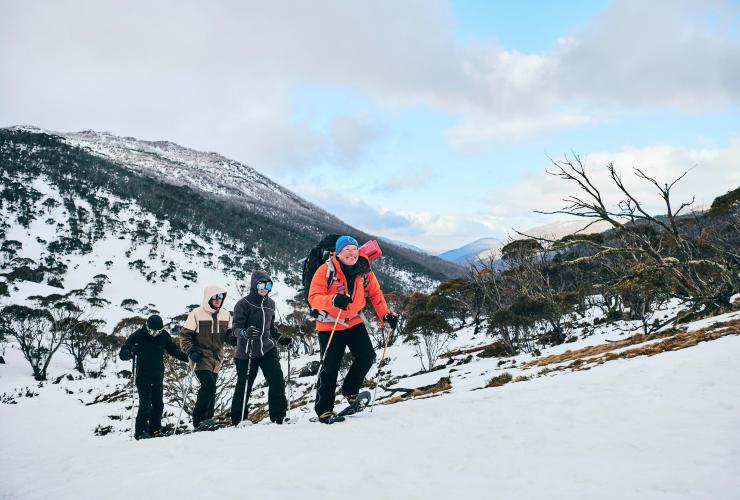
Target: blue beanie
343, 241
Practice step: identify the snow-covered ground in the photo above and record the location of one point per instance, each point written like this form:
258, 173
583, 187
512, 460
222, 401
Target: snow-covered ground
664, 426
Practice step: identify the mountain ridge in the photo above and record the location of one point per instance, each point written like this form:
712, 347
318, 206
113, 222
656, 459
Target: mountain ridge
250, 198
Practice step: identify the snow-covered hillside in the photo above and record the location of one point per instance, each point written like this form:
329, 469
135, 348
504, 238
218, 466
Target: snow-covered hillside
209, 172
193, 197
164, 277
651, 425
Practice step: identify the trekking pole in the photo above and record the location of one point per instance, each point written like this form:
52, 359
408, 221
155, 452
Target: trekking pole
380, 364
246, 382
331, 336
185, 393
323, 357
290, 387
133, 394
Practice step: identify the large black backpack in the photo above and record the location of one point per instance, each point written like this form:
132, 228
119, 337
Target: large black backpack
317, 256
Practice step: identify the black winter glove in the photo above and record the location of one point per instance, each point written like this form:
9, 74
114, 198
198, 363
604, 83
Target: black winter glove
285, 341
136, 350
125, 354
250, 332
391, 319
195, 356
341, 301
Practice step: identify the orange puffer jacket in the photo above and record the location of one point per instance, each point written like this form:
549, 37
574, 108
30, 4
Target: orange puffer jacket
321, 294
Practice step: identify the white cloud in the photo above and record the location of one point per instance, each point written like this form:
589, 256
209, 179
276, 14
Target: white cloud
219, 75
712, 172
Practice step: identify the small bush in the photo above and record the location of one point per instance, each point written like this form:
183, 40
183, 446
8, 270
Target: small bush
310, 369
495, 351
500, 380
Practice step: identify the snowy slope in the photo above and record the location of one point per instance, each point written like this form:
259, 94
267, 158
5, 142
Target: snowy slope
663, 426
274, 222
113, 255
207, 171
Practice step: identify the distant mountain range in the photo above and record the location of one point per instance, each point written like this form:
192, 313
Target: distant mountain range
485, 247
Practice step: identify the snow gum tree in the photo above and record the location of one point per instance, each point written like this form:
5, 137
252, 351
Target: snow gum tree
34, 331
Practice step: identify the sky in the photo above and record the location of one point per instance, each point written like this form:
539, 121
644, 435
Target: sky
425, 121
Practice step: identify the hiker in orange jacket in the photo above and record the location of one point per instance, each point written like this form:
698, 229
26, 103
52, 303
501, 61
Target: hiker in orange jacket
338, 290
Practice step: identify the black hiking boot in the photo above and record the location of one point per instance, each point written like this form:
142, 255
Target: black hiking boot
329, 417
143, 435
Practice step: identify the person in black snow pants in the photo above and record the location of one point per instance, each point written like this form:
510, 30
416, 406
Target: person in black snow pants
257, 338
147, 345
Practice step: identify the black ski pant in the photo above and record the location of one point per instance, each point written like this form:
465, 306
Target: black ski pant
276, 402
149, 415
358, 341
206, 400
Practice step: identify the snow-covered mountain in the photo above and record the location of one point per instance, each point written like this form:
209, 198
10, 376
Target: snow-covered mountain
466, 253
157, 222
484, 248
208, 172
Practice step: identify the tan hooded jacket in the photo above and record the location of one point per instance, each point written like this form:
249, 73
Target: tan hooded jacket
206, 330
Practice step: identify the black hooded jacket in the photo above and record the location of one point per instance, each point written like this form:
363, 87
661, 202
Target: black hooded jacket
150, 361
258, 311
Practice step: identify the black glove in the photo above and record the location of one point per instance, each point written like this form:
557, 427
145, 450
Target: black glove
125, 354
391, 319
195, 356
136, 350
285, 341
231, 340
341, 301
251, 331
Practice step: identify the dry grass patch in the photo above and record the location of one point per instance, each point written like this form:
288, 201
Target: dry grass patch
444, 384
595, 350
675, 342
500, 380
492, 349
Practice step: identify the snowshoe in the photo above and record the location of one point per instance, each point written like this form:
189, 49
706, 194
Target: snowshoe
207, 425
163, 432
357, 403
329, 417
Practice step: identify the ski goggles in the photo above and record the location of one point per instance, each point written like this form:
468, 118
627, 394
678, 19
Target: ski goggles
154, 333
264, 286
218, 296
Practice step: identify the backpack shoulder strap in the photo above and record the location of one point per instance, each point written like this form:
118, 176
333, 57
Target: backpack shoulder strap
330, 272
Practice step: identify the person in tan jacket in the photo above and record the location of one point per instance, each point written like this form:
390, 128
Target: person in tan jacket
202, 338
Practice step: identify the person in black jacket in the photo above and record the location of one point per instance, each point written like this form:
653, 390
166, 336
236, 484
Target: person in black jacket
147, 346
257, 337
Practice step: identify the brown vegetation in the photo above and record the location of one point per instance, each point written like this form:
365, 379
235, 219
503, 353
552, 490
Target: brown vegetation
444, 384
584, 359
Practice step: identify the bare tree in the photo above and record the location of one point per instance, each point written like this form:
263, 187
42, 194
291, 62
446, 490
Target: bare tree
661, 242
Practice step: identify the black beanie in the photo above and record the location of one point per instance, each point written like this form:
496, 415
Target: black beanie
154, 322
